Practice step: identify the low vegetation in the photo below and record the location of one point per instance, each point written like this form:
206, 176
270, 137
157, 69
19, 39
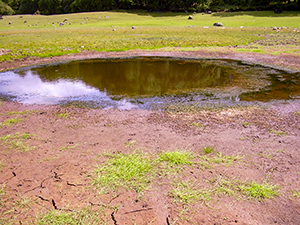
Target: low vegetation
42, 36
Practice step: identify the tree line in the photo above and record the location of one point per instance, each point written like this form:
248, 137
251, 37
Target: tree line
48, 7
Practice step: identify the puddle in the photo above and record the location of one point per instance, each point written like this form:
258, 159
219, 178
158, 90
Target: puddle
148, 82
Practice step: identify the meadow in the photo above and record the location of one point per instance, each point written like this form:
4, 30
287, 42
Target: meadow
24, 36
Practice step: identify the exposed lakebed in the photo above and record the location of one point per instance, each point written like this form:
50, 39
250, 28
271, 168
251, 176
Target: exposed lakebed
148, 82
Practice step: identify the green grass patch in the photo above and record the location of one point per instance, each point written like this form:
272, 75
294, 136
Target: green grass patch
176, 157
17, 141
248, 189
129, 171
42, 36
219, 158
63, 115
259, 191
22, 112
86, 216
10, 122
208, 149
278, 132
187, 192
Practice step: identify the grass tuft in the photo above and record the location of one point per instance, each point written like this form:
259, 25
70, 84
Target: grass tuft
10, 122
129, 171
259, 191
176, 157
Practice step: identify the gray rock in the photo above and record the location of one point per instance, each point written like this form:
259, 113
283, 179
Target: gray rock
190, 18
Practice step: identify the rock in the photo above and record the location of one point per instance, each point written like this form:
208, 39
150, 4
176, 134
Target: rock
274, 28
114, 30
218, 24
209, 12
133, 27
25, 21
9, 22
190, 18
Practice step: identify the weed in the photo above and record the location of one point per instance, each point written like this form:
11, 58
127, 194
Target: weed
259, 191
2, 189
295, 193
2, 164
208, 149
130, 171
15, 141
21, 112
198, 125
63, 115
176, 157
278, 132
265, 155
187, 192
130, 143
10, 122
85, 216
219, 158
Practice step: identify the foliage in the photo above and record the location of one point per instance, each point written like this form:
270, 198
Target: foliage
67, 6
5, 9
124, 170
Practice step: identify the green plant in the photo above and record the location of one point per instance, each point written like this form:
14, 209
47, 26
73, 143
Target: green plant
84, 216
187, 192
208, 149
21, 112
16, 141
10, 122
219, 158
259, 191
176, 157
198, 125
278, 132
295, 193
130, 171
63, 115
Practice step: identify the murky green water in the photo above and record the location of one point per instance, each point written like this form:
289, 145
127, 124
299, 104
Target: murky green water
146, 81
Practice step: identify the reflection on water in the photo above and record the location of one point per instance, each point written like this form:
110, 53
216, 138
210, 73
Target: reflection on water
128, 83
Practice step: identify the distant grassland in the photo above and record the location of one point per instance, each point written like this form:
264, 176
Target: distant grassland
42, 36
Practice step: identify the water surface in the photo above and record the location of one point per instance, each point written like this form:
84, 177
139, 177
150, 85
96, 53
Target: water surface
144, 82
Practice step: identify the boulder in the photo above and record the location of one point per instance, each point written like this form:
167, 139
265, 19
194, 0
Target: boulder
190, 18
218, 24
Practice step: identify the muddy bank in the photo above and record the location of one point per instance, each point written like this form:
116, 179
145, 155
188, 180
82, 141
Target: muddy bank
287, 61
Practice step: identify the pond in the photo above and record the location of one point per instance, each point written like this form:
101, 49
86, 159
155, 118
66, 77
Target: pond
148, 82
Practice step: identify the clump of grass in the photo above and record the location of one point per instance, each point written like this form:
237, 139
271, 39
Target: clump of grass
295, 193
21, 112
198, 125
85, 216
208, 149
2, 189
187, 192
219, 158
129, 171
63, 115
278, 132
259, 191
176, 157
15, 141
10, 122
247, 189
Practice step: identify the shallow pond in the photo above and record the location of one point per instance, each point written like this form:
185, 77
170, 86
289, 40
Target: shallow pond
148, 82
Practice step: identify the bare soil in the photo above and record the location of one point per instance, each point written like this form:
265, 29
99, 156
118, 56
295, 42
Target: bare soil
55, 173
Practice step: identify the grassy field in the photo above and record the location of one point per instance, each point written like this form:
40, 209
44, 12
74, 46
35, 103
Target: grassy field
42, 36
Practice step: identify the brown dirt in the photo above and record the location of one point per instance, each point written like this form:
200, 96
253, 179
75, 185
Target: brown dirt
55, 174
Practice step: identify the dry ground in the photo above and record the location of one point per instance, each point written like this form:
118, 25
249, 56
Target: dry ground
52, 169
